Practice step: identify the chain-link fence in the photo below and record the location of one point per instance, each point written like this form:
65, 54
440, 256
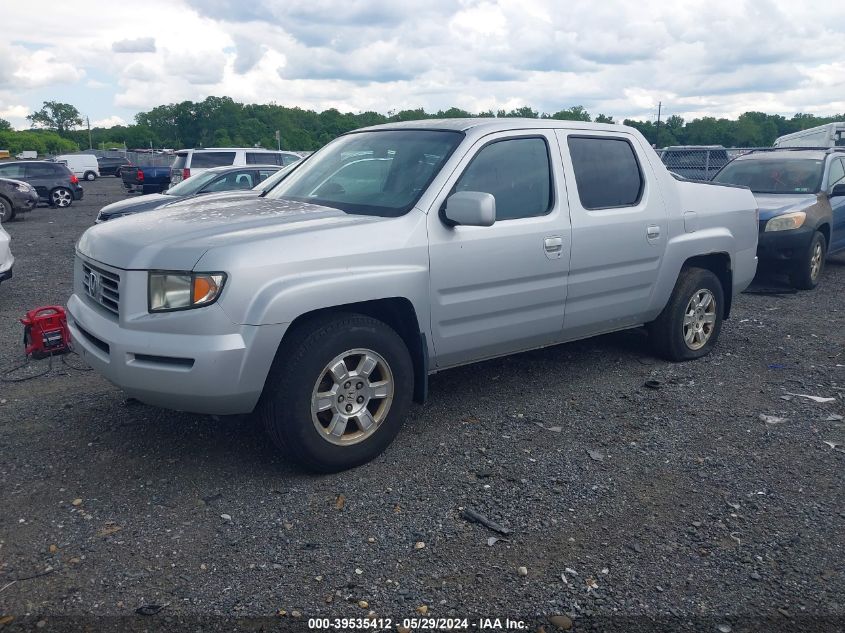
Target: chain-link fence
701, 162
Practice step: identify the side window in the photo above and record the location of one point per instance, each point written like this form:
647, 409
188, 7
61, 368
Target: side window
40, 170
289, 159
203, 160
837, 173
264, 174
517, 173
12, 171
262, 158
235, 180
606, 172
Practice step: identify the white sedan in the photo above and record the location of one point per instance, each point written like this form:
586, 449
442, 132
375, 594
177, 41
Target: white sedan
6, 259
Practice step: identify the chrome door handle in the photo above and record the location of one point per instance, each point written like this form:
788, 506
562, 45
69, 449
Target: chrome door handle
653, 232
553, 244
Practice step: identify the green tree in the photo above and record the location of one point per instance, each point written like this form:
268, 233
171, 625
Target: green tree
575, 113
53, 115
5, 126
603, 118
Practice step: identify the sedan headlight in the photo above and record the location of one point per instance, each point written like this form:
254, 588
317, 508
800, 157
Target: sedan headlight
183, 290
786, 222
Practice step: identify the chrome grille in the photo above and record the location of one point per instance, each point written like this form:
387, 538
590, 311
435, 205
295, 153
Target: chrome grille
102, 286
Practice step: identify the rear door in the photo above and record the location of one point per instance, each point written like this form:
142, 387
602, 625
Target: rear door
837, 205
502, 288
43, 176
619, 231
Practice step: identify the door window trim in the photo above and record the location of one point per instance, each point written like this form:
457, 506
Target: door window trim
641, 192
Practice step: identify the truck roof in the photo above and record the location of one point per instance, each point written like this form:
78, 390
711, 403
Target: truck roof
492, 124
787, 153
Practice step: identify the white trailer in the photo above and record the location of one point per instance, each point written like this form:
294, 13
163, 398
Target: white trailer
829, 135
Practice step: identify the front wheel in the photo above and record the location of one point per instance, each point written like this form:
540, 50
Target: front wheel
808, 270
689, 325
338, 392
61, 197
7, 211
90, 175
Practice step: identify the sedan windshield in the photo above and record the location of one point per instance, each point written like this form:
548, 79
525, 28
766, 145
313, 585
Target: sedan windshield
371, 173
193, 184
767, 175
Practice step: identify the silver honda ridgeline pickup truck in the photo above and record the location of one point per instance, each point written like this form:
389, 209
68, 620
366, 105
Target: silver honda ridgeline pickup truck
395, 252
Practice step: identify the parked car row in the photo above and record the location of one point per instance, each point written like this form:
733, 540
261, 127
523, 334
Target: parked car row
324, 302
54, 183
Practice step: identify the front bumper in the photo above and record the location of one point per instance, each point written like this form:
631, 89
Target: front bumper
215, 367
7, 272
784, 246
25, 201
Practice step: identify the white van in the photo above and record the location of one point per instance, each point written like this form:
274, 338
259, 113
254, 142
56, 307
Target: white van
84, 166
829, 135
190, 162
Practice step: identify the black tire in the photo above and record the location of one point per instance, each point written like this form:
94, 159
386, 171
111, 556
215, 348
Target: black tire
285, 407
61, 197
668, 331
807, 272
90, 175
7, 211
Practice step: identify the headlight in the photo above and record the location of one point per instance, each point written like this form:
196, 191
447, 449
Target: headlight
24, 188
787, 221
183, 290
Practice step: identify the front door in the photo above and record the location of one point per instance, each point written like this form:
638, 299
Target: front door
502, 288
619, 231
837, 205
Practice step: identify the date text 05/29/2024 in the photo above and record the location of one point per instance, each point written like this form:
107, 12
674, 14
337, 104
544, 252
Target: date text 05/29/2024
417, 624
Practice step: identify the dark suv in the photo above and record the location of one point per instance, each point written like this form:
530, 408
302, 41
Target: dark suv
54, 182
16, 197
801, 196
112, 165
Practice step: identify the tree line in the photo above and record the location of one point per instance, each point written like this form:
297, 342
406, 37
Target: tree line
222, 122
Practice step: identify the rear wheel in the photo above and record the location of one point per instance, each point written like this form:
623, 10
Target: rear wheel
90, 175
61, 197
7, 211
808, 270
689, 325
338, 392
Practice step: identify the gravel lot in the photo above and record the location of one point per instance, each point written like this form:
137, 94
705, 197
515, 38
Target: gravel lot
673, 507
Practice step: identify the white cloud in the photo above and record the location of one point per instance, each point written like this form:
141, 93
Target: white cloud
615, 57
110, 121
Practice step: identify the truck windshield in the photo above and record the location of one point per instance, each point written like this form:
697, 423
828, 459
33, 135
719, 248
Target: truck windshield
371, 173
766, 175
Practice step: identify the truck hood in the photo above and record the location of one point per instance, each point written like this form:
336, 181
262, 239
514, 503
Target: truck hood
175, 237
773, 204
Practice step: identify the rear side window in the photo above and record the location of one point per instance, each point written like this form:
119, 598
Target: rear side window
179, 163
203, 160
517, 173
607, 172
263, 158
837, 173
36, 170
289, 159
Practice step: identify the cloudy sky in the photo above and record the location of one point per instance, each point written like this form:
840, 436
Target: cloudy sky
720, 57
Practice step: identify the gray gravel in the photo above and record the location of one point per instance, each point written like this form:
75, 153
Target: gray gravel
673, 506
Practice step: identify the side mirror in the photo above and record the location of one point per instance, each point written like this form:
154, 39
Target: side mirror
471, 208
838, 190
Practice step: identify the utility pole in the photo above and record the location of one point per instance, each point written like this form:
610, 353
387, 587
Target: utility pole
88, 121
657, 137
